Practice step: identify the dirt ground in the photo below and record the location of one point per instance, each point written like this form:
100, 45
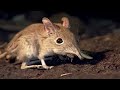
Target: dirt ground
106, 63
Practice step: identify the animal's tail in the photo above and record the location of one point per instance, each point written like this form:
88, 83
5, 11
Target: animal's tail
3, 55
3, 45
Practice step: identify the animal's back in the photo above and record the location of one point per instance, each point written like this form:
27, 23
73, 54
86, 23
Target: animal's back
29, 32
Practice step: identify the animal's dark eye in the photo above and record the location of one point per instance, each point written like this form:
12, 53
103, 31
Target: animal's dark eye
59, 41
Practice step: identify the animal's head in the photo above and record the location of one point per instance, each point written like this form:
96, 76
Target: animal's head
60, 39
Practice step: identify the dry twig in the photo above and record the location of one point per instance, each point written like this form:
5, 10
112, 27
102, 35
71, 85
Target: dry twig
65, 74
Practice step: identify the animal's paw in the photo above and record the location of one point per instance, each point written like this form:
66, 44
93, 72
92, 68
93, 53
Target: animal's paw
38, 66
47, 67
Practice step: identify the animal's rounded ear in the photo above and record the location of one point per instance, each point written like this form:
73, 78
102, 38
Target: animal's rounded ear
49, 27
66, 22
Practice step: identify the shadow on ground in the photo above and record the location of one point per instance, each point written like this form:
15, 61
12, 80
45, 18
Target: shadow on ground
97, 57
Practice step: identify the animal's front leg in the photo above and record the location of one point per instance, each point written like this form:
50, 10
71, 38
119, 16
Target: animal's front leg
41, 57
44, 65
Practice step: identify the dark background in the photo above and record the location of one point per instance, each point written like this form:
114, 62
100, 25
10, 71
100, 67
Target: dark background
81, 8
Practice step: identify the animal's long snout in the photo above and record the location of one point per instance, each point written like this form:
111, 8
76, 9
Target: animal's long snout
79, 54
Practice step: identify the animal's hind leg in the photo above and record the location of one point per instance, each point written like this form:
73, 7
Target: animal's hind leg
25, 66
25, 63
